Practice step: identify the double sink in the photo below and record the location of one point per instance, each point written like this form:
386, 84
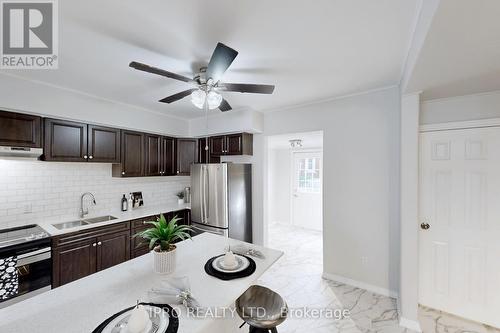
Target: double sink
82, 222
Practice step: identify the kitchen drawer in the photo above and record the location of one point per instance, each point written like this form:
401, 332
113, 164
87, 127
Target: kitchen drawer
77, 236
139, 223
140, 252
137, 242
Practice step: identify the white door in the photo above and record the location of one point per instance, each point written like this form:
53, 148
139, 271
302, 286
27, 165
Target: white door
307, 207
460, 202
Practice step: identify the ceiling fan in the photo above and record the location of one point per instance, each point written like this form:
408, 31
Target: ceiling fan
207, 84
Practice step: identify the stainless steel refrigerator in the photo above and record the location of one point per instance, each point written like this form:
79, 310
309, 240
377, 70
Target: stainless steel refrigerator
221, 199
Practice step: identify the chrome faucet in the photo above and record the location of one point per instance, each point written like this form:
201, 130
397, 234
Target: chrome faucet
86, 211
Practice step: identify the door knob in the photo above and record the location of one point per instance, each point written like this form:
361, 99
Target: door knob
425, 226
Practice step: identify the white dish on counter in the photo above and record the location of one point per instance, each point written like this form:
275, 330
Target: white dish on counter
158, 321
241, 264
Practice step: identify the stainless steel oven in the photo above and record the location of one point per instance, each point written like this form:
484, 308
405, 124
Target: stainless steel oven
29, 248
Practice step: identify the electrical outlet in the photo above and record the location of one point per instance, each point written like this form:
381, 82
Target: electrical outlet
27, 209
364, 261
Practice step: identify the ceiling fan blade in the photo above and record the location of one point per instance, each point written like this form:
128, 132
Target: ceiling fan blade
146, 68
176, 97
221, 59
224, 106
247, 88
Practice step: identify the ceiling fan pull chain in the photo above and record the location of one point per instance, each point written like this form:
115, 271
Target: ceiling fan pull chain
206, 124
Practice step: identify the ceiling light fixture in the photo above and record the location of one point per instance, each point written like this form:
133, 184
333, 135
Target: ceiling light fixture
198, 98
213, 99
295, 143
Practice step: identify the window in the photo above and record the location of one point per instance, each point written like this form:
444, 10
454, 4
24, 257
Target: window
309, 175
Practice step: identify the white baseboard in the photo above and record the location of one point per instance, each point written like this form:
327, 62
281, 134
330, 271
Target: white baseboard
362, 285
411, 324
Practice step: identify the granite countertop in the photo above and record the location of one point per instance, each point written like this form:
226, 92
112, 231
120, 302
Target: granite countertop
131, 214
82, 305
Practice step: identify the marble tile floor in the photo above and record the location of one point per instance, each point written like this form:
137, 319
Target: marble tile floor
440, 322
297, 278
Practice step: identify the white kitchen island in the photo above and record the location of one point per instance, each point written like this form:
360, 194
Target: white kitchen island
82, 305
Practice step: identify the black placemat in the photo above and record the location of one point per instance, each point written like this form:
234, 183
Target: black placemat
230, 276
173, 318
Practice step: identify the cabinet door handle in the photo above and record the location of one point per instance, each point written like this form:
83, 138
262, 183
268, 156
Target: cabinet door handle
85, 156
99, 243
94, 244
91, 157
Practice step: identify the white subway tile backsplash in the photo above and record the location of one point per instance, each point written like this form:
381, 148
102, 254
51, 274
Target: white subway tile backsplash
35, 191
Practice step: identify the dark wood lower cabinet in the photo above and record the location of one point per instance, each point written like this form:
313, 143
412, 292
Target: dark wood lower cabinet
79, 254
139, 246
112, 249
72, 262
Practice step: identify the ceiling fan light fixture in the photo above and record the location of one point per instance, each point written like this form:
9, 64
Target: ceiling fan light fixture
213, 99
198, 98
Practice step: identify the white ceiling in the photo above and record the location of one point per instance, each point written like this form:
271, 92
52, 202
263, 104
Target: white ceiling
461, 54
309, 140
310, 50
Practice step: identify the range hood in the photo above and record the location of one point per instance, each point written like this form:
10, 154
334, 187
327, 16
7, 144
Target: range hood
24, 152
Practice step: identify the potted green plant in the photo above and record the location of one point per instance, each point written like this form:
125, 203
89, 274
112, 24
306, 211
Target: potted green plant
180, 198
161, 237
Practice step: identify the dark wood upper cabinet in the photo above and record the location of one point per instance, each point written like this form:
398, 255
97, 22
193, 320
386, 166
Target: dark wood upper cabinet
20, 130
239, 144
103, 144
168, 156
69, 141
132, 155
203, 155
232, 144
217, 145
187, 154
153, 150
65, 141
160, 156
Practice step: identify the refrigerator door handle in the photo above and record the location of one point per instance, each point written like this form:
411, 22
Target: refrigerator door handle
202, 185
205, 194
222, 232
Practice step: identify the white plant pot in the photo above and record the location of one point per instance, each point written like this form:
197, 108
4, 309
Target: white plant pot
164, 262
180, 201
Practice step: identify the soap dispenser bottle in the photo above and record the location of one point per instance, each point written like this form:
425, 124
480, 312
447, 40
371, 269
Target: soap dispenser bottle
124, 204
